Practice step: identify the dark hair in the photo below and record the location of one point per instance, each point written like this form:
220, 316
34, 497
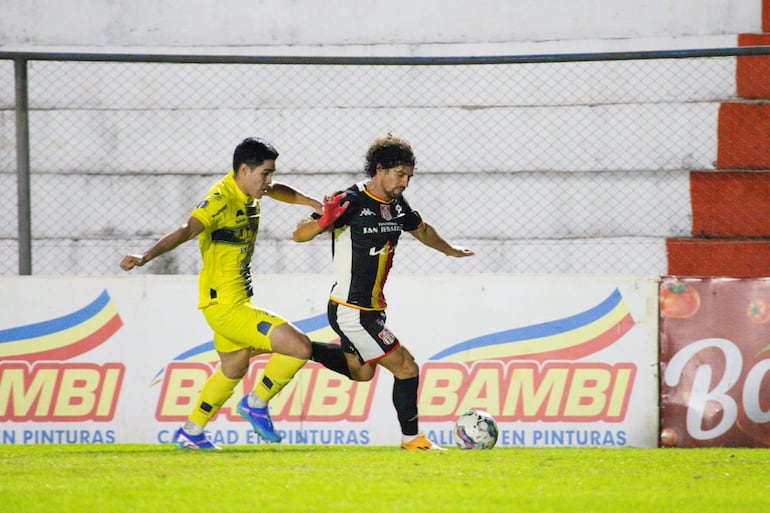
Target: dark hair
253, 151
388, 152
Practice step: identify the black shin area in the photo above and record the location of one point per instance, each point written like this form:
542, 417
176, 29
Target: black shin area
330, 356
405, 401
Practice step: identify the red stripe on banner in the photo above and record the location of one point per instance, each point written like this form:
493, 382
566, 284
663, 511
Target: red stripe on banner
84, 345
606, 339
730, 204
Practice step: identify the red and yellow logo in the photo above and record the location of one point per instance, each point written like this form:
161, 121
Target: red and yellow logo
533, 373
36, 382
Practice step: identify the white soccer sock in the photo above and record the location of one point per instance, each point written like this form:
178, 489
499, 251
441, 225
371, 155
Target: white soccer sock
255, 401
191, 428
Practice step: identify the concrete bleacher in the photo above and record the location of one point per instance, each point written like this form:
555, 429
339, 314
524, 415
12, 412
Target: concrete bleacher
730, 233
96, 163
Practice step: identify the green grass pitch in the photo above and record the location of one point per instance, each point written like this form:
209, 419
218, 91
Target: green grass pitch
265, 479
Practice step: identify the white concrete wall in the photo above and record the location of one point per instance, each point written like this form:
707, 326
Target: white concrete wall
401, 26
562, 200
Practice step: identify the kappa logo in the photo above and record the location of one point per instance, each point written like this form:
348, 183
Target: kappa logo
366, 212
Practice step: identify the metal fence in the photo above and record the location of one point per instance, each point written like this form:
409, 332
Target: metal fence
541, 164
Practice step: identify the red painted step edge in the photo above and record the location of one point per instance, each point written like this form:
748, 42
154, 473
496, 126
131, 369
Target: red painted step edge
743, 135
730, 203
752, 73
708, 257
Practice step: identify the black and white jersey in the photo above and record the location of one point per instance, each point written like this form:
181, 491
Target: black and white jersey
363, 245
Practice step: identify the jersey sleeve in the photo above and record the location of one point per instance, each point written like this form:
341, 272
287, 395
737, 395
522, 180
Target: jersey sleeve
210, 210
412, 218
413, 221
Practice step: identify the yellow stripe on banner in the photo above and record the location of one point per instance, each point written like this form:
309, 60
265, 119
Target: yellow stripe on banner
207, 357
565, 340
60, 338
326, 334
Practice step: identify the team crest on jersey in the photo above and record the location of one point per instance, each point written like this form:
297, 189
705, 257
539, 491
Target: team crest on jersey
385, 212
387, 336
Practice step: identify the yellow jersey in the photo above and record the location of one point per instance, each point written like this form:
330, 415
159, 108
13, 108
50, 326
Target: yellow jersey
231, 220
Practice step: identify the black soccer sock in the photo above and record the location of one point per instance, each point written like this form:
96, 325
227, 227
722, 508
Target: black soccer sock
330, 356
405, 401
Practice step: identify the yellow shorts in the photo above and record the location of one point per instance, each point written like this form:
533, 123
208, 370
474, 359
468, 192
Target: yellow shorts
241, 325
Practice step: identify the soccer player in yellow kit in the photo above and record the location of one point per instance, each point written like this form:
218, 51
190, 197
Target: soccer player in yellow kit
366, 221
226, 223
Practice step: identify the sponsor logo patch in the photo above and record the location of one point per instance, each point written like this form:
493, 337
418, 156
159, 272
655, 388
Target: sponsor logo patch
387, 336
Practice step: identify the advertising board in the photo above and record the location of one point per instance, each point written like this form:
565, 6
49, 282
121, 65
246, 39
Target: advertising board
558, 361
715, 358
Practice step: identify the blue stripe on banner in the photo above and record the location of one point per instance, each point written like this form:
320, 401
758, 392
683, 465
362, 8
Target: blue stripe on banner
312, 323
200, 349
536, 331
41, 329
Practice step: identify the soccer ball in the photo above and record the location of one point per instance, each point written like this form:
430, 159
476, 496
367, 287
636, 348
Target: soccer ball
476, 429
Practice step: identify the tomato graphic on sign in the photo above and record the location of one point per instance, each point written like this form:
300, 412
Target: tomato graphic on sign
679, 300
759, 311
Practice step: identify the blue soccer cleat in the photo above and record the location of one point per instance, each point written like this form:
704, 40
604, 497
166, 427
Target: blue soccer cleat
260, 420
187, 441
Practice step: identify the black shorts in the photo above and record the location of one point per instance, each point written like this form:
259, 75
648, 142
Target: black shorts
362, 332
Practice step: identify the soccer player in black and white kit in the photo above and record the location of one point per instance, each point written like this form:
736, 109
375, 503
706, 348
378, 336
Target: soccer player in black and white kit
366, 221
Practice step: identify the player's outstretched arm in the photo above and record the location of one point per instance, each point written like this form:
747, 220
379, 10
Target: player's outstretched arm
288, 194
430, 237
306, 230
191, 229
310, 227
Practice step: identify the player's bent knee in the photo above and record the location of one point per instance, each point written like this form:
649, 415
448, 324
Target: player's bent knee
305, 352
299, 348
362, 374
289, 341
303, 347
234, 370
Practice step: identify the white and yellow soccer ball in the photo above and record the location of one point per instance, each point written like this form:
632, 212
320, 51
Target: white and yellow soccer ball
475, 429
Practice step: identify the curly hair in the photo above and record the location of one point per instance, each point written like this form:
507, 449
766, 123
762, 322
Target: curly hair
388, 152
